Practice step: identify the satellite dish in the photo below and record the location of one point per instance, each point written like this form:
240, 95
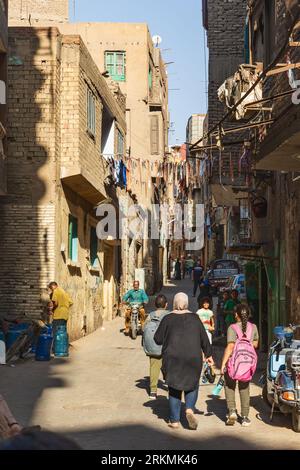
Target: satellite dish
157, 40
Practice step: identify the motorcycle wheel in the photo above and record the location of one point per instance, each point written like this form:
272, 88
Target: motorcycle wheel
266, 396
133, 332
296, 420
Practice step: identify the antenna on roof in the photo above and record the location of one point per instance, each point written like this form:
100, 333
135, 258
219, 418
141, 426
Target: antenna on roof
157, 40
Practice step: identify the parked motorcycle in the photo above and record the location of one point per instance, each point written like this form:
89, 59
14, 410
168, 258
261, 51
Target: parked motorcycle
135, 325
281, 389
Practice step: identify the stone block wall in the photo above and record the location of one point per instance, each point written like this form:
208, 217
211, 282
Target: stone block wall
38, 13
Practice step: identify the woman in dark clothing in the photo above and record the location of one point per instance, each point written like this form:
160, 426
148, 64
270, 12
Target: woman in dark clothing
183, 338
177, 270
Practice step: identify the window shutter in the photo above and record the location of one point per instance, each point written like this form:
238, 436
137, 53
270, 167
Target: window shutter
73, 238
154, 136
93, 247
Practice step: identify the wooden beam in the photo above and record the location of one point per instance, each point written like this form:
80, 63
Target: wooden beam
284, 68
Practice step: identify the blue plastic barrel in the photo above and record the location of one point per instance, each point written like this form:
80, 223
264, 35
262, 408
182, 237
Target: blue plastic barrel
14, 332
44, 345
61, 342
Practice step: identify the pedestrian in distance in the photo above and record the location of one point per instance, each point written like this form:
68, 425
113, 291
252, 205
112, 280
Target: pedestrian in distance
178, 270
183, 267
189, 265
206, 315
221, 313
183, 340
197, 276
239, 364
59, 306
229, 307
150, 347
204, 291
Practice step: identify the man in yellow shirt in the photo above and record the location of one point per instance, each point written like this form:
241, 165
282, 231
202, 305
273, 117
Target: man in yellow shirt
61, 305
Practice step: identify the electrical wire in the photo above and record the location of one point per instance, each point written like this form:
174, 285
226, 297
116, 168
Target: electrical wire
259, 79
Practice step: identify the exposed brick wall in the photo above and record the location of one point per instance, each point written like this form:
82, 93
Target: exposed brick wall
47, 131
225, 37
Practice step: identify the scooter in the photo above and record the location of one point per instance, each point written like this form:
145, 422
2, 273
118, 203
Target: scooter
281, 389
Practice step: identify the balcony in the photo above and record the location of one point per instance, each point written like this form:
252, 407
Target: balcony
89, 185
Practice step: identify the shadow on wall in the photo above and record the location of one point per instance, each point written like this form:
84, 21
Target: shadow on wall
27, 215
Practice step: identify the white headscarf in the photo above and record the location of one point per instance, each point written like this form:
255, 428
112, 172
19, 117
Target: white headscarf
181, 303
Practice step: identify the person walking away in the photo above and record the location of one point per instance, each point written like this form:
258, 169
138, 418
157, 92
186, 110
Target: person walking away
197, 277
183, 340
61, 303
206, 315
204, 291
150, 347
239, 364
135, 296
183, 267
189, 265
178, 270
229, 306
221, 325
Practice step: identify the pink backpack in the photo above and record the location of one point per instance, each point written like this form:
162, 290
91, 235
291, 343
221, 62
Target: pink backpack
242, 364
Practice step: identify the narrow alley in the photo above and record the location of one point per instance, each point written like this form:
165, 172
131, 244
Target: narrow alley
99, 398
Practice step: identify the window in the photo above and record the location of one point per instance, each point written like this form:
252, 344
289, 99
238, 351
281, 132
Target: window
91, 112
73, 239
115, 64
120, 144
93, 248
154, 137
150, 77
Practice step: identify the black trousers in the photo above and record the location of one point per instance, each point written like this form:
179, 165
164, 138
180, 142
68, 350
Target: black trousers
197, 283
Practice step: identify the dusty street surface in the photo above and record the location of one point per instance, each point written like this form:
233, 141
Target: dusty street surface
99, 397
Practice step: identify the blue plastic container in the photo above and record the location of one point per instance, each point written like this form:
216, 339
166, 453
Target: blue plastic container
279, 332
61, 342
44, 345
14, 332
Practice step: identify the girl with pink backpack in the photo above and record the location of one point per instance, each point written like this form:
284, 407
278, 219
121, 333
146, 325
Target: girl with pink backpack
239, 364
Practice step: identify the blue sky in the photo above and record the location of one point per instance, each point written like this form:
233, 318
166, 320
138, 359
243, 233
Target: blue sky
179, 23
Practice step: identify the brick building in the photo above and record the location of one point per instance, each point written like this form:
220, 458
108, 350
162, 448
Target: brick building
3, 86
58, 104
124, 52
262, 214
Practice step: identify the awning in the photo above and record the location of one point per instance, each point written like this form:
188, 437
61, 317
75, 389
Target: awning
280, 151
244, 249
225, 196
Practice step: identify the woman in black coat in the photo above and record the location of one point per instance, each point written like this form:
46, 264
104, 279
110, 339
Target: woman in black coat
183, 339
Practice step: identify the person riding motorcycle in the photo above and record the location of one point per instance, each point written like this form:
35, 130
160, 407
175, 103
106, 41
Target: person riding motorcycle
135, 296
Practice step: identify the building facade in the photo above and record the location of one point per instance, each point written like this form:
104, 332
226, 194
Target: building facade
3, 90
260, 195
58, 105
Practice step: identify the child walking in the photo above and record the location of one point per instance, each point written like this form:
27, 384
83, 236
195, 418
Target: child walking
207, 317
239, 364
